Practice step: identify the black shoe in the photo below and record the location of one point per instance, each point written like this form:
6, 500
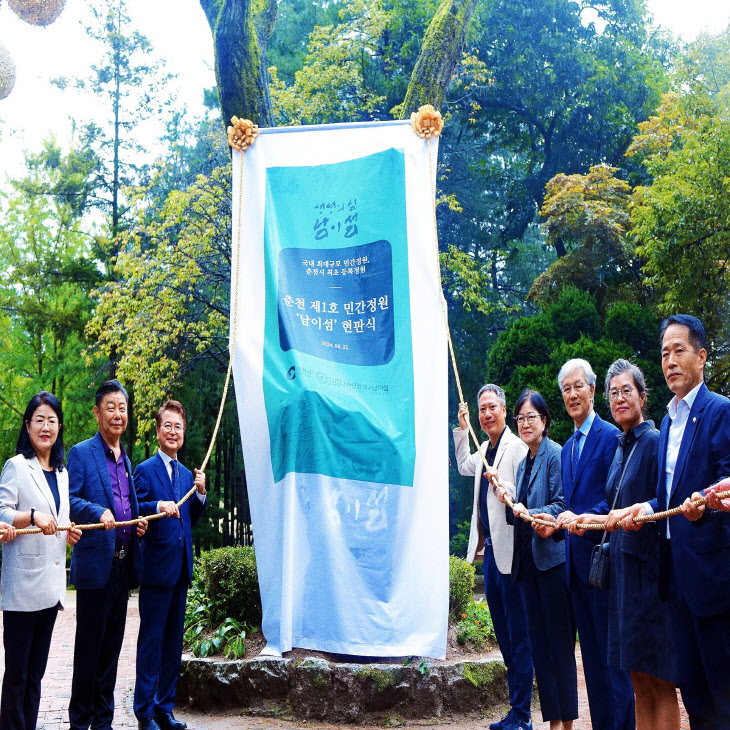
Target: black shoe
167, 721
149, 723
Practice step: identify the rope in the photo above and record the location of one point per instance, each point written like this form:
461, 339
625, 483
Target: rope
224, 396
508, 500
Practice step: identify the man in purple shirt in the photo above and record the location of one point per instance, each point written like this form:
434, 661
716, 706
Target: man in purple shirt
105, 564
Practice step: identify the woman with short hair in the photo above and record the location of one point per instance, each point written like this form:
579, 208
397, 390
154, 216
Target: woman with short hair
33, 493
538, 565
639, 634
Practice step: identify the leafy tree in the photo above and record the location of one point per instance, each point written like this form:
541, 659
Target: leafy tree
127, 84
335, 84
44, 290
589, 216
545, 93
681, 219
532, 349
296, 19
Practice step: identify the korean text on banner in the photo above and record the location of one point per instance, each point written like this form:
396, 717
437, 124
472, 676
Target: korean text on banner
340, 371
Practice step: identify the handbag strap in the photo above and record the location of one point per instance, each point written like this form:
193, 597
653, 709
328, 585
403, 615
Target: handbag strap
621, 480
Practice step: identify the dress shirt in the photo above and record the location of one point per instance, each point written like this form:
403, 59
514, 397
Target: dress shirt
678, 409
167, 461
584, 429
120, 488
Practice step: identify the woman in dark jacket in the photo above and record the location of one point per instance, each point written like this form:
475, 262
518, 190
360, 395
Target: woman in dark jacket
639, 636
538, 564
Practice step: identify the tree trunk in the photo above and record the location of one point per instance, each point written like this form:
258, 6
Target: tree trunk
440, 52
241, 31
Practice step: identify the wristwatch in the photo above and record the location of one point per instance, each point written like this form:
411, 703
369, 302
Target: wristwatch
32, 518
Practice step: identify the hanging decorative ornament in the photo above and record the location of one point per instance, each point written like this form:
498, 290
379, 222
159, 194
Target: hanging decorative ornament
7, 72
242, 134
427, 122
37, 12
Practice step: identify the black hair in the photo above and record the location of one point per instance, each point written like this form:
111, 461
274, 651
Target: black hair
25, 447
111, 386
697, 335
538, 402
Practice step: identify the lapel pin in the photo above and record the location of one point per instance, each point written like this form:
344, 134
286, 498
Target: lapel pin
694, 420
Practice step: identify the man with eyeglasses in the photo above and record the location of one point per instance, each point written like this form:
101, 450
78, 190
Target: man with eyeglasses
167, 569
584, 462
489, 528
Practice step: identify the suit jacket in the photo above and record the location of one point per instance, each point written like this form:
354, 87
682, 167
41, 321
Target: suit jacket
544, 494
587, 489
90, 495
166, 539
34, 566
700, 550
509, 454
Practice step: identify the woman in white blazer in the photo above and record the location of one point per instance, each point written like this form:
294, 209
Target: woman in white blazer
33, 493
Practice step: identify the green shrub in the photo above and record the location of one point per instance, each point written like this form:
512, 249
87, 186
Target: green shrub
475, 626
229, 580
461, 585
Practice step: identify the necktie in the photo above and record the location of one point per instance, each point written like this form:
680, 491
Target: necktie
575, 455
175, 480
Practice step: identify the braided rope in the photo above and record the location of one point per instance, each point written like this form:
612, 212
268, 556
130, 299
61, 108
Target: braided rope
224, 396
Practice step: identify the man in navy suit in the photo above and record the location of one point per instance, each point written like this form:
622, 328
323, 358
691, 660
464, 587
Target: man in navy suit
167, 569
105, 564
694, 454
584, 463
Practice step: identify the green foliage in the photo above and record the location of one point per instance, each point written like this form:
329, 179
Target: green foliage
205, 638
229, 580
461, 585
475, 626
169, 308
681, 224
531, 351
335, 83
47, 273
588, 216
459, 541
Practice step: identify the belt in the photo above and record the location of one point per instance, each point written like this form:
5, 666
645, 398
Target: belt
121, 553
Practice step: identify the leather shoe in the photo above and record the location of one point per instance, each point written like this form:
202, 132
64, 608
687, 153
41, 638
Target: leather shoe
149, 723
167, 721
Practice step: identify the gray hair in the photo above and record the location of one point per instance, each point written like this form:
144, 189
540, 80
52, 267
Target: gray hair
491, 388
571, 365
625, 366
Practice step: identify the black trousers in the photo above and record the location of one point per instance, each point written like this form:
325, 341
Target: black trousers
552, 639
27, 640
101, 616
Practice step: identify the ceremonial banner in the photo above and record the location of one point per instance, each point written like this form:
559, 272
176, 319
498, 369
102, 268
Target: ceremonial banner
341, 385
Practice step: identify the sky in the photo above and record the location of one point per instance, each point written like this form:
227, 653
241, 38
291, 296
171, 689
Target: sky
179, 33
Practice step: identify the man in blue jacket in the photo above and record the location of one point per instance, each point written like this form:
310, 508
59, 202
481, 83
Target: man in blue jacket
694, 454
584, 462
105, 564
167, 569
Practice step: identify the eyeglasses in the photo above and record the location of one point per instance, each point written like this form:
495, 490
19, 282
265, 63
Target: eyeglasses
176, 427
530, 418
626, 392
42, 421
579, 387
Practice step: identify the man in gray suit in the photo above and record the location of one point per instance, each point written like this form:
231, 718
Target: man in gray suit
504, 451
